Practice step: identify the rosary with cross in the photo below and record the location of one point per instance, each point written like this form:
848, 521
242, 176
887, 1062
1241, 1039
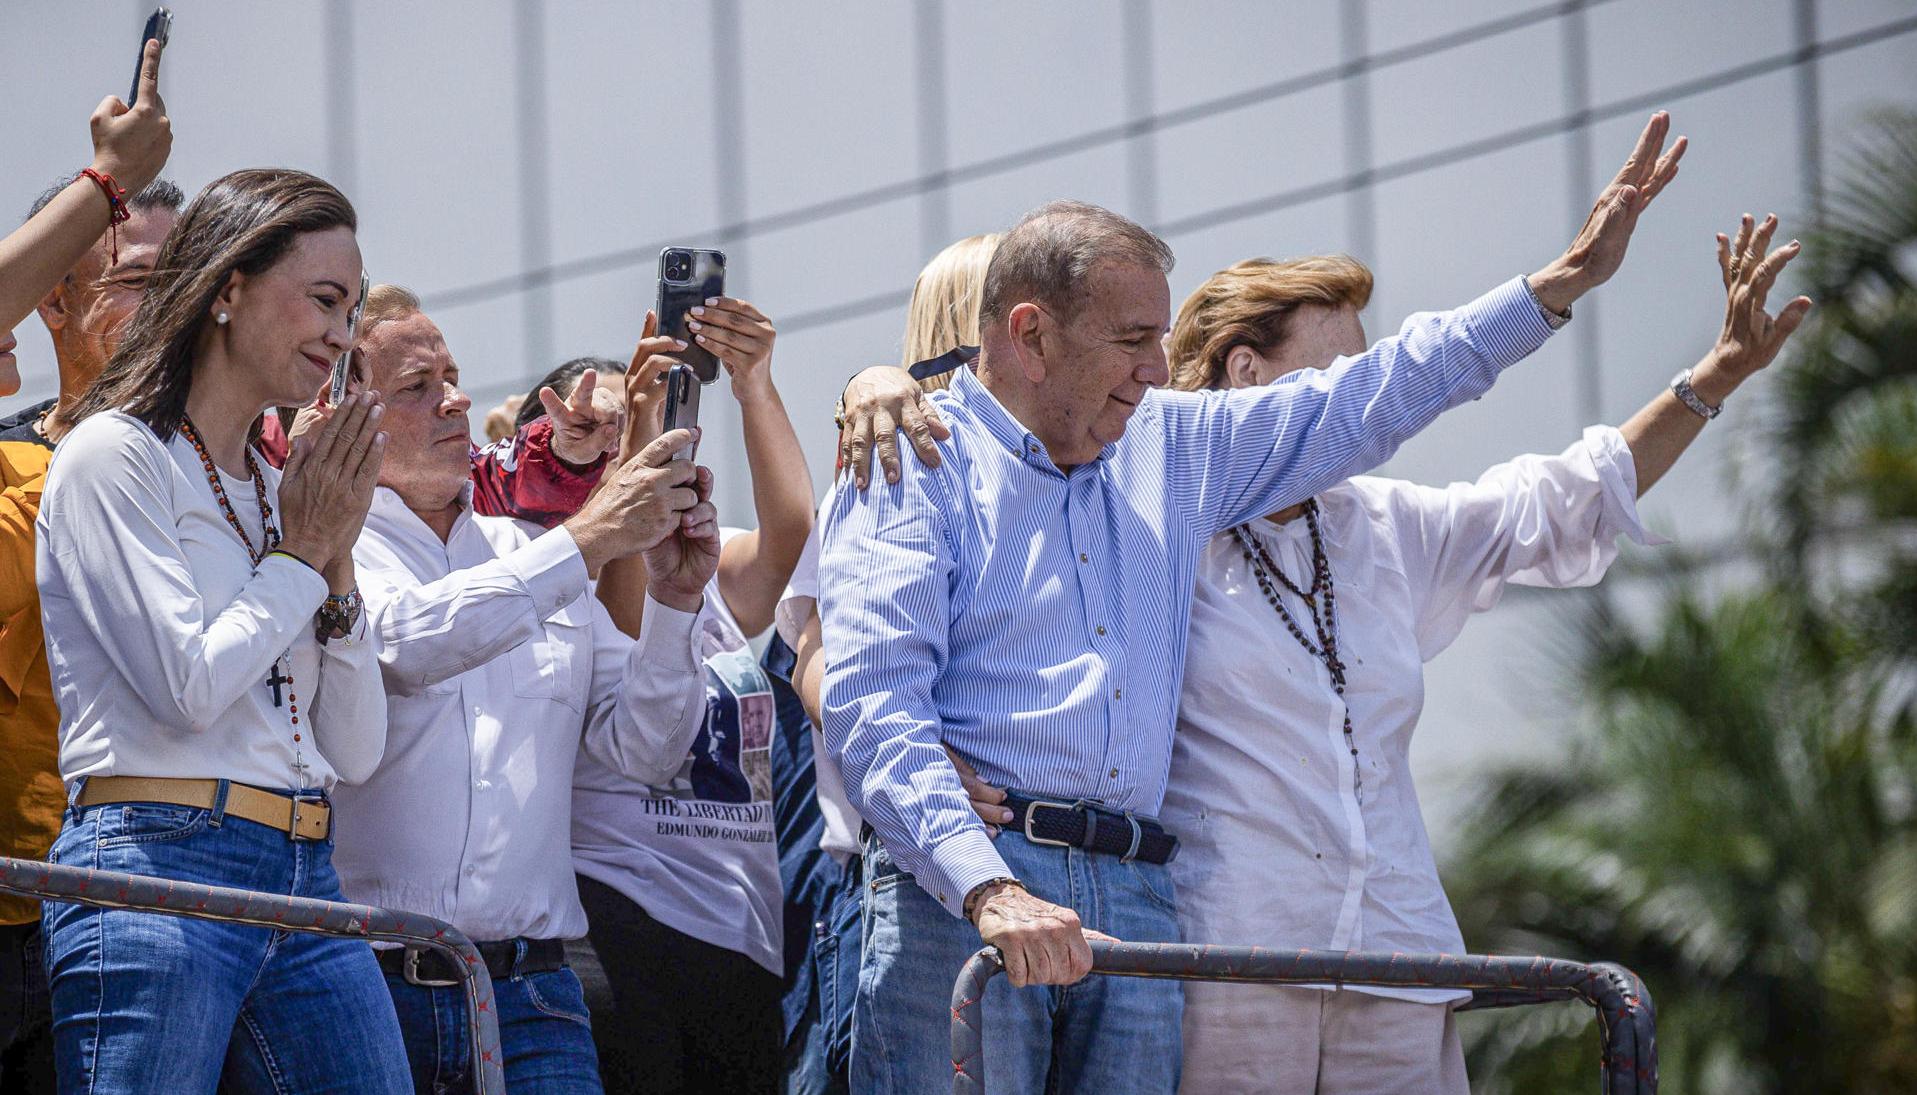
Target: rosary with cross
269, 539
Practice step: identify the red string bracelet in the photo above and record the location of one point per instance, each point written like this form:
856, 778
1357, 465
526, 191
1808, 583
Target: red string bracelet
116, 203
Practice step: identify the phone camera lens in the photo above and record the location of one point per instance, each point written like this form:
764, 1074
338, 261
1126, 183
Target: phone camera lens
678, 265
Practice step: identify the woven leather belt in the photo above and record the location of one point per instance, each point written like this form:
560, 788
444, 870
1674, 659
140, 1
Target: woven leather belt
1090, 826
429, 968
300, 817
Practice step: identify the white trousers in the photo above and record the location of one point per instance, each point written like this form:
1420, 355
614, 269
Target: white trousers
1296, 1041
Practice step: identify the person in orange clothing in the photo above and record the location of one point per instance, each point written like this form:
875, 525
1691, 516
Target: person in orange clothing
91, 213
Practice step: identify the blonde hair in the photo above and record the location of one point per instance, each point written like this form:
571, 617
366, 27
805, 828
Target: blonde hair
1250, 303
943, 314
385, 303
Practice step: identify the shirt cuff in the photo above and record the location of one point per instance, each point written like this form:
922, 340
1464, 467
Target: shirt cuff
670, 637
1509, 322
304, 585
960, 863
552, 570
1617, 480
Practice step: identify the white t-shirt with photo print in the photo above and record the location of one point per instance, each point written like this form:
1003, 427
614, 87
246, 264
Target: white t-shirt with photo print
699, 853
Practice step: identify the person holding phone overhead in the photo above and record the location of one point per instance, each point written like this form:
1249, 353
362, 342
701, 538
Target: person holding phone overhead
65, 232
214, 673
680, 879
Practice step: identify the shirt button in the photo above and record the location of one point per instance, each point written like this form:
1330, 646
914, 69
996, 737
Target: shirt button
1101, 629
1114, 773
1118, 693
482, 785
1084, 558
471, 869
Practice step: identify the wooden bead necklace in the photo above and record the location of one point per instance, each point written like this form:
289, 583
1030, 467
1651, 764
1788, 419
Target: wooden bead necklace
269, 540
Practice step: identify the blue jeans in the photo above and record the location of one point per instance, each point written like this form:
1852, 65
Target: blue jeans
819, 1049
822, 903
1104, 1035
144, 1002
543, 1031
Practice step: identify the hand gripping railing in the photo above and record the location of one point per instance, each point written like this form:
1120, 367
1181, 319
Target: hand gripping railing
1626, 1017
118, 890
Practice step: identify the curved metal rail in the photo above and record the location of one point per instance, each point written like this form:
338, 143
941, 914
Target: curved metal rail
1627, 1022
119, 890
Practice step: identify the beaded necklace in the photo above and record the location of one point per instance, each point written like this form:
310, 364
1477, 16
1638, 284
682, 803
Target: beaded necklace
1324, 623
269, 539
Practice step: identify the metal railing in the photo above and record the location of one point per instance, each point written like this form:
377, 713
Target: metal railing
119, 890
1626, 1017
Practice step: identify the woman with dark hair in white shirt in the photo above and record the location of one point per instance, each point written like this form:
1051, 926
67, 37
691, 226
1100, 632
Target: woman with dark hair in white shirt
1290, 785
213, 674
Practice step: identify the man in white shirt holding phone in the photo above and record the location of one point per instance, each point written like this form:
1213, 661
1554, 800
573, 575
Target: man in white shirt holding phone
500, 666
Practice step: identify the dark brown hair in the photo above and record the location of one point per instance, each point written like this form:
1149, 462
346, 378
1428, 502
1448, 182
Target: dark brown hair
244, 222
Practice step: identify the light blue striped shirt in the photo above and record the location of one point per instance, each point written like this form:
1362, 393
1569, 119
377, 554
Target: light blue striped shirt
1035, 619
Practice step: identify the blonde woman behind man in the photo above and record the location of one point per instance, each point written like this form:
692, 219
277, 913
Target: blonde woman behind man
819, 852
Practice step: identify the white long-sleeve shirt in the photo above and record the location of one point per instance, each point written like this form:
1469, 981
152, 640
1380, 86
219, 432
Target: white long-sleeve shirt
1276, 848
501, 666
161, 635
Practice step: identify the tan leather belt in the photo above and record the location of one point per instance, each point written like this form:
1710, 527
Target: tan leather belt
300, 818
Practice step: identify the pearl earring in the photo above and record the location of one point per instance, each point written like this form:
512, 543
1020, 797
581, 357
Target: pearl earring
220, 319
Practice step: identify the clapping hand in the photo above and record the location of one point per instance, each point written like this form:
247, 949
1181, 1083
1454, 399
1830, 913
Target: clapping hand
1598, 250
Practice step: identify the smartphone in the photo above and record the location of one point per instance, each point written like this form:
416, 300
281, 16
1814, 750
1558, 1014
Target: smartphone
682, 404
343, 366
158, 25
688, 277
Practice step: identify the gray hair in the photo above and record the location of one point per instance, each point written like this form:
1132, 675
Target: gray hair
1051, 252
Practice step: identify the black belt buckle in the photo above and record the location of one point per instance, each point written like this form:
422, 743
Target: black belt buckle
1031, 814
409, 969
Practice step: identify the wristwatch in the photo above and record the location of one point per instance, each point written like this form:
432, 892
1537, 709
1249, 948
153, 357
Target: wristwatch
1681, 387
338, 615
1553, 320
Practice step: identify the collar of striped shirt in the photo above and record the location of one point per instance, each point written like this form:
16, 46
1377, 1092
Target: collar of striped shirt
997, 423
1035, 621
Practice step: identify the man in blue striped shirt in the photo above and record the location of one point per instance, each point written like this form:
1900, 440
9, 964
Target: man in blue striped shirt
1025, 602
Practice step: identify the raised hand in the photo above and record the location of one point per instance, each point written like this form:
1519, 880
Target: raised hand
132, 144
586, 424
1751, 337
878, 403
684, 560
645, 408
329, 480
1599, 248
741, 337
638, 503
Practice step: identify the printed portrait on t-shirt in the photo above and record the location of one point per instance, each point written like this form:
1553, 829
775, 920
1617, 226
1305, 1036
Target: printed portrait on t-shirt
730, 760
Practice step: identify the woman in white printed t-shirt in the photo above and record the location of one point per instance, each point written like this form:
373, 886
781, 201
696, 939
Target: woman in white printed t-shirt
214, 675
681, 882
1290, 785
